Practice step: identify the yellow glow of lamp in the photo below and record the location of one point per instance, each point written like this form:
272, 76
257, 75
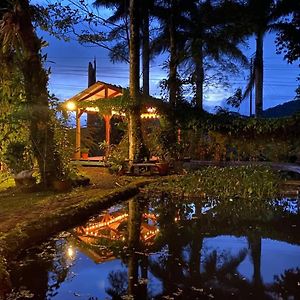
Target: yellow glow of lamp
71, 252
150, 114
70, 105
92, 109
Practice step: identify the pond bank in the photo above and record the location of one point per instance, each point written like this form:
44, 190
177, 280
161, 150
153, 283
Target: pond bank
49, 219
196, 164
26, 219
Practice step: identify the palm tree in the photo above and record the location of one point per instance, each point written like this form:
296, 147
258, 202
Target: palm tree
118, 284
170, 15
18, 38
194, 34
209, 34
254, 243
134, 125
173, 64
136, 144
286, 285
134, 232
121, 12
288, 38
145, 12
217, 277
263, 16
120, 16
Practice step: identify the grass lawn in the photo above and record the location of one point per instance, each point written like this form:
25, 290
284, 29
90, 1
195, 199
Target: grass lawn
18, 207
29, 218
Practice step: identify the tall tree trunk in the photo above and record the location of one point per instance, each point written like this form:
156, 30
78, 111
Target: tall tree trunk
144, 265
134, 225
196, 248
35, 84
173, 58
199, 75
174, 257
259, 74
133, 275
195, 259
254, 242
134, 128
172, 81
146, 50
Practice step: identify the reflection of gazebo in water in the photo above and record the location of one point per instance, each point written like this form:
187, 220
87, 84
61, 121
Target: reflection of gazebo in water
111, 227
99, 90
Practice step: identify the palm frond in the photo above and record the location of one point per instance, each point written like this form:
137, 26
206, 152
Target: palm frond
284, 8
230, 266
249, 86
210, 263
159, 44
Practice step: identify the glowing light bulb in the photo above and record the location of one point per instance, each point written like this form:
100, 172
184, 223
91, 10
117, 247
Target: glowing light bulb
71, 105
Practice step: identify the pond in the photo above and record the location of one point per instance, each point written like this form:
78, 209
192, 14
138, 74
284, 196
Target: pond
166, 248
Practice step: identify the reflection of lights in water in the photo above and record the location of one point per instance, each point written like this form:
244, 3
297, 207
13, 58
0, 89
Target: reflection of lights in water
98, 227
103, 224
71, 252
150, 233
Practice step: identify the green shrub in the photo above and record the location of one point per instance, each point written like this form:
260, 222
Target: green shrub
118, 155
18, 157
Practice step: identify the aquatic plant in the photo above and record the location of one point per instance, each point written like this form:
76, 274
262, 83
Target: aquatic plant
223, 183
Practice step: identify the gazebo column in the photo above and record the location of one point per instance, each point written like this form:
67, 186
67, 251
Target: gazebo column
77, 153
107, 132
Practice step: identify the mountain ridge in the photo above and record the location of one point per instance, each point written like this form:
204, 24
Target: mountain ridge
286, 109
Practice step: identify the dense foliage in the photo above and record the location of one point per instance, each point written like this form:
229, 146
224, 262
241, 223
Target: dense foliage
288, 39
213, 137
13, 121
27, 117
231, 193
229, 137
224, 184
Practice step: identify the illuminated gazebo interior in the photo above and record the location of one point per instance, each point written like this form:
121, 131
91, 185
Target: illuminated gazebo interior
99, 90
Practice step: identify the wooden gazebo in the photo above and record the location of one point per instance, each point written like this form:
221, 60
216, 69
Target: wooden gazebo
98, 90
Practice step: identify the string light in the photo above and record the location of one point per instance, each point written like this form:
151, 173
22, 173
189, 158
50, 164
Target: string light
94, 229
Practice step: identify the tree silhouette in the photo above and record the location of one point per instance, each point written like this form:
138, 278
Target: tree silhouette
18, 38
263, 16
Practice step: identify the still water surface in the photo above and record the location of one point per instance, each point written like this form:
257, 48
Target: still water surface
164, 249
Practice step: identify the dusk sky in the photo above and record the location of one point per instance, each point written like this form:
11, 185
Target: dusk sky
69, 61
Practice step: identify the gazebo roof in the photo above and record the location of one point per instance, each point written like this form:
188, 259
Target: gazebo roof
103, 90
96, 91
